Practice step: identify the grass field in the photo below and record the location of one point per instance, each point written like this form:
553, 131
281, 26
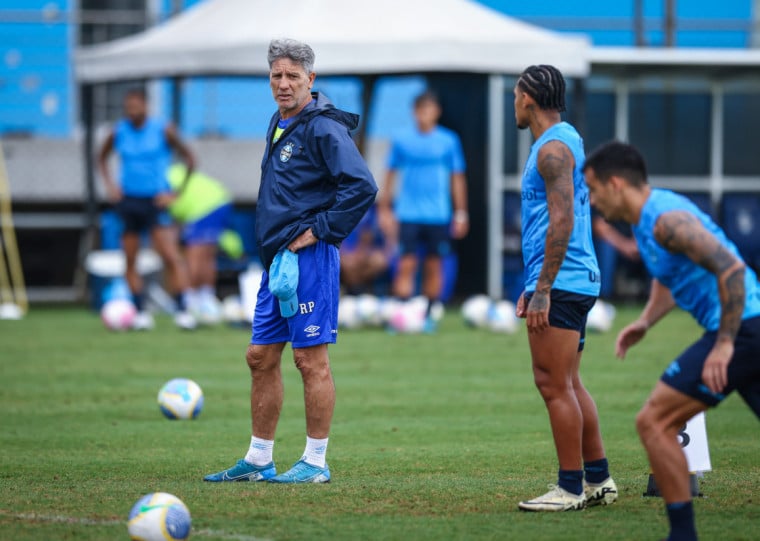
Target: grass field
434, 437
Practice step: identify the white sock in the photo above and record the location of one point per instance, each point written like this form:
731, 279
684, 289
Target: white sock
315, 452
260, 452
206, 292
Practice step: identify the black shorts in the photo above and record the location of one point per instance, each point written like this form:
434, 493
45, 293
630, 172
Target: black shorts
140, 214
434, 239
685, 373
568, 311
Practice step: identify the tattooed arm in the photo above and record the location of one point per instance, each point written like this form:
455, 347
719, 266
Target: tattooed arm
556, 164
681, 232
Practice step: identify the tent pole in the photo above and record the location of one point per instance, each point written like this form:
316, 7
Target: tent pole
368, 90
176, 90
87, 239
579, 117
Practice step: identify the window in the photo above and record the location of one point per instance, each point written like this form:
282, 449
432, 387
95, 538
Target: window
672, 130
741, 148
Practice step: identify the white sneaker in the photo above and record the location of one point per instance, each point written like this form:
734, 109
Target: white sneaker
603, 493
185, 321
143, 321
557, 499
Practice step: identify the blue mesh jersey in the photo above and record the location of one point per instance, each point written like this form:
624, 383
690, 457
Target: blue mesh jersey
425, 163
579, 272
145, 156
694, 288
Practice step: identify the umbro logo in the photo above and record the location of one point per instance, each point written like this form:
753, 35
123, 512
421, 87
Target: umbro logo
312, 331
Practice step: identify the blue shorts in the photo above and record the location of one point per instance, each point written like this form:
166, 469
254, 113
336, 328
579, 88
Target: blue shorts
209, 228
141, 214
434, 239
685, 373
316, 321
568, 311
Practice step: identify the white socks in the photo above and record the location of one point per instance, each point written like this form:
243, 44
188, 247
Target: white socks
260, 452
314, 453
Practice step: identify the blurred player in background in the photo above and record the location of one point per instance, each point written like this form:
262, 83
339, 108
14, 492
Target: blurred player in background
315, 188
364, 255
204, 207
694, 266
561, 286
144, 145
429, 207
610, 243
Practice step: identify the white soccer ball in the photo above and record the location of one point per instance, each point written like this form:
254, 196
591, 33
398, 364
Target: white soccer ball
408, 318
348, 313
368, 310
159, 517
600, 317
118, 314
233, 310
180, 398
475, 310
388, 307
502, 318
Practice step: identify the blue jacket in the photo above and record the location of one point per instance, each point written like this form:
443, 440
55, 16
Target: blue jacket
312, 177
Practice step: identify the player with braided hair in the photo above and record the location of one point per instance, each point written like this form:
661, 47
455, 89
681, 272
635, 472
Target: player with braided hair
561, 286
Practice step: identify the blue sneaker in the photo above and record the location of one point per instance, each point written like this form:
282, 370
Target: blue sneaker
430, 326
302, 472
243, 471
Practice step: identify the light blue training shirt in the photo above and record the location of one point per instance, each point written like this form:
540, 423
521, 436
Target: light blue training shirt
145, 157
694, 288
424, 163
579, 272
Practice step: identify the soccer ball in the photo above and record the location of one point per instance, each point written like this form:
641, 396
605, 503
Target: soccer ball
475, 310
348, 312
502, 318
368, 309
408, 318
159, 517
600, 317
180, 398
118, 314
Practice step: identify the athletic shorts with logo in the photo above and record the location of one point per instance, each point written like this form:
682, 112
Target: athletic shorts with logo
568, 310
208, 229
433, 239
141, 214
685, 373
316, 321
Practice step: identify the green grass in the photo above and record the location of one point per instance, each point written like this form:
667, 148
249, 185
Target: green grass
434, 437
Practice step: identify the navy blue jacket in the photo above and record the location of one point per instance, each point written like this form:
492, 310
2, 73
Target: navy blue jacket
312, 177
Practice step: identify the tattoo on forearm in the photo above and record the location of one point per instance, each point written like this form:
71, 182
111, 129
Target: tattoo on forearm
556, 168
732, 294
681, 232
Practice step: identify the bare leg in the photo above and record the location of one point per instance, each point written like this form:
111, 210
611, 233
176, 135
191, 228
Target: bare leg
201, 263
166, 242
403, 283
592, 445
319, 389
266, 388
554, 353
433, 277
131, 244
658, 423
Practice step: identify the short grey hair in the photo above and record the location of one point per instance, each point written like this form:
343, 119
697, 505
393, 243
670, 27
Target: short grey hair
298, 52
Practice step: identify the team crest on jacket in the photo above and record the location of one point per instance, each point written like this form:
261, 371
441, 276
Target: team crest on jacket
286, 152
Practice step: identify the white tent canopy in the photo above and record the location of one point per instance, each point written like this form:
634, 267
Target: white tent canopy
230, 37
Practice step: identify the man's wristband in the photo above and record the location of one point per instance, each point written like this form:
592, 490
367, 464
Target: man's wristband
461, 216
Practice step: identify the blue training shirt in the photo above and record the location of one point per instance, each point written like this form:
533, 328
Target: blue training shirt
425, 163
145, 157
579, 272
694, 288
